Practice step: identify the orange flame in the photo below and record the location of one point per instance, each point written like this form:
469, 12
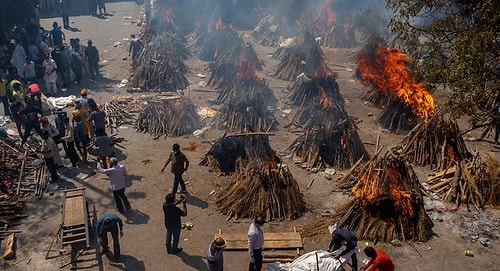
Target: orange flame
219, 25
326, 16
244, 69
168, 15
388, 72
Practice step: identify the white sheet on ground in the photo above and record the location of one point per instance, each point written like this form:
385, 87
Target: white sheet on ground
313, 261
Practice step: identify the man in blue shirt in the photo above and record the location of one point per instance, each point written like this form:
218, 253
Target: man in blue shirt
56, 35
341, 237
113, 224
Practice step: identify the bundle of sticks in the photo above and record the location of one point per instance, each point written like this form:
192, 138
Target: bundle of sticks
218, 42
161, 64
261, 188
246, 110
380, 99
11, 158
398, 117
388, 203
238, 63
437, 142
305, 89
227, 150
168, 116
266, 32
118, 112
473, 183
305, 57
335, 142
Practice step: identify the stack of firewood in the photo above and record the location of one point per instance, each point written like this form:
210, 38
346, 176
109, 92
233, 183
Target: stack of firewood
227, 150
246, 109
259, 184
330, 137
261, 188
266, 32
388, 203
168, 116
398, 117
437, 142
10, 161
238, 63
305, 57
118, 112
218, 42
161, 64
473, 182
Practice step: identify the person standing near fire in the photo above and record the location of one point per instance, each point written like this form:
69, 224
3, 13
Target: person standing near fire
180, 164
255, 243
135, 48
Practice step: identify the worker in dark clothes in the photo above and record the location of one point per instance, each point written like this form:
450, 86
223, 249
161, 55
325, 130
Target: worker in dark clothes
341, 237
113, 224
173, 224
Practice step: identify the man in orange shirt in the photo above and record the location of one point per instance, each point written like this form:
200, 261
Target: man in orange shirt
379, 260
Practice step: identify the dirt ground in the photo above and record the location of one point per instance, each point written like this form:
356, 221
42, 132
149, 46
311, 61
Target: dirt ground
143, 245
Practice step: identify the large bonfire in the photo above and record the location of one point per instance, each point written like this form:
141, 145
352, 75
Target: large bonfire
393, 85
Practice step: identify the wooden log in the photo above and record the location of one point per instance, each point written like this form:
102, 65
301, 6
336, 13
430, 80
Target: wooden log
9, 251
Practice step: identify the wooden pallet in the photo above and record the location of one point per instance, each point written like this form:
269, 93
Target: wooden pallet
75, 218
272, 241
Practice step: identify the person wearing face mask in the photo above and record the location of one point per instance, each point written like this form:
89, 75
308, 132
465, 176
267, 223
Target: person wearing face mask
255, 243
180, 164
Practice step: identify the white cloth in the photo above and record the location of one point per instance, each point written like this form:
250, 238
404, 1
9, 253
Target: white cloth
49, 65
29, 70
18, 59
313, 261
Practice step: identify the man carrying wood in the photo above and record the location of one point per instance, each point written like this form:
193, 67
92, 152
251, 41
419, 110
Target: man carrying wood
255, 243
113, 224
180, 164
341, 237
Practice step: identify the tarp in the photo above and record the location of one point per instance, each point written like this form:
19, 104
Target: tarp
313, 261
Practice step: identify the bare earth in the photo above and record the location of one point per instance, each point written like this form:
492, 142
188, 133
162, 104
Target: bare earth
143, 245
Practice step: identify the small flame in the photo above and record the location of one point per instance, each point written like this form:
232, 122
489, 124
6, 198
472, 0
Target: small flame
219, 25
387, 71
326, 16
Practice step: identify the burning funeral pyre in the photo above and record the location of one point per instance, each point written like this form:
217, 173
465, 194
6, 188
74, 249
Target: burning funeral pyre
245, 97
305, 57
161, 63
219, 41
384, 69
388, 203
171, 116
259, 184
240, 58
332, 30
330, 137
437, 142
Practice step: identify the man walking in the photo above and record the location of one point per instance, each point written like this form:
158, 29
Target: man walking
255, 243
135, 48
215, 254
93, 59
173, 216
180, 164
342, 237
47, 151
117, 178
113, 224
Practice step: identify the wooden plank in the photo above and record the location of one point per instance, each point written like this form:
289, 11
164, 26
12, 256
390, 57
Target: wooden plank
9, 246
73, 211
272, 240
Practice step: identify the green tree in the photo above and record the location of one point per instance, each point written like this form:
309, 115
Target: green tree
455, 45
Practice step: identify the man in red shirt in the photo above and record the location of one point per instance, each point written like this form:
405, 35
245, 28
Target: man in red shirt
379, 260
